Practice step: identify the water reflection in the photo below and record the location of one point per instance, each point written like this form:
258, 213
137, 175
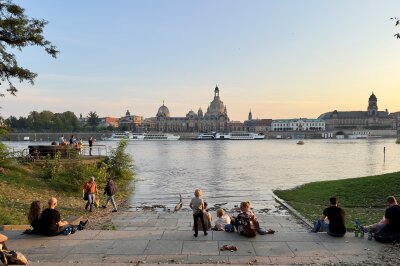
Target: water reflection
232, 171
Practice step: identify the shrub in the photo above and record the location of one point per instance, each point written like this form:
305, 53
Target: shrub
120, 164
52, 166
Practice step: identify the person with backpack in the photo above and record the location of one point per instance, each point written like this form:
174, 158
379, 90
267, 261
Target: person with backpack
90, 191
336, 216
246, 222
110, 191
197, 205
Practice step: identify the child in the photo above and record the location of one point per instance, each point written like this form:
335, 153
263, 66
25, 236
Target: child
222, 220
197, 205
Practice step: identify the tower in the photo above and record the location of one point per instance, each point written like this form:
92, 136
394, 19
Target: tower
372, 105
250, 116
216, 91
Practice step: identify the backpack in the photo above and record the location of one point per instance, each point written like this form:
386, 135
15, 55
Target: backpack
247, 227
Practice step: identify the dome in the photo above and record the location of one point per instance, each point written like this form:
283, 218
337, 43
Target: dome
372, 97
163, 111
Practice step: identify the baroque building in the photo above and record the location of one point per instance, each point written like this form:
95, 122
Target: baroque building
214, 119
130, 122
369, 119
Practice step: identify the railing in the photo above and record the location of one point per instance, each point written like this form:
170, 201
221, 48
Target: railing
39, 152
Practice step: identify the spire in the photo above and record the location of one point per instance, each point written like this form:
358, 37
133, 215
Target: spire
216, 91
250, 115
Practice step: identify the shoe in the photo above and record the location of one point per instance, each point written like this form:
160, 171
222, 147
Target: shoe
104, 206
83, 223
114, 211
205, 233
195, 235
91, 210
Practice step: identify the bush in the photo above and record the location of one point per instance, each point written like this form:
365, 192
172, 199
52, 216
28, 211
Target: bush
52, 166
120, 164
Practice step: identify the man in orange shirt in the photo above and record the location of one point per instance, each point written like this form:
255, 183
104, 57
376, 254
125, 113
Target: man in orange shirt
90, 190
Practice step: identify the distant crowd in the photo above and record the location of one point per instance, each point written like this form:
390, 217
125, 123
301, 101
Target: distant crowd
73, 141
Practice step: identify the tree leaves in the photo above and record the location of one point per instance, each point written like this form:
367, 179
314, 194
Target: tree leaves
17, 31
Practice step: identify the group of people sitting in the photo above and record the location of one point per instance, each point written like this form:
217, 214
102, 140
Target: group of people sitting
245, 223
48, 222
332, 221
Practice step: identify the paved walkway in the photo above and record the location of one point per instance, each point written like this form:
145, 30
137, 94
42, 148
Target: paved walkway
149, 237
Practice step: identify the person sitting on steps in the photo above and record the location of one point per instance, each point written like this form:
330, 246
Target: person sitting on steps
390, 222
336, 216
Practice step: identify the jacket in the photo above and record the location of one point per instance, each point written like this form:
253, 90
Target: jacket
110, 188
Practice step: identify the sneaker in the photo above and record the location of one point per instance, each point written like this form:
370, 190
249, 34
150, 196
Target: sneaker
205, 233
195, 235
114, 211
104, 206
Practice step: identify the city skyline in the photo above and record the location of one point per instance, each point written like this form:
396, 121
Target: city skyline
279, 59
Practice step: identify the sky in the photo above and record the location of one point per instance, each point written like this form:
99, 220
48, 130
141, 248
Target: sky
281, 59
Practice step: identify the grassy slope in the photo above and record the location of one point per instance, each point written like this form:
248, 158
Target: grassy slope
362, 198
21, 185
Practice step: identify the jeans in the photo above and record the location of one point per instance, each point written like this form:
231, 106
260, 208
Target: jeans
325, 228
200, 216
320, 224
91, 199
111, 198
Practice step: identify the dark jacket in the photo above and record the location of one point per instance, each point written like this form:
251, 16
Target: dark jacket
110, 188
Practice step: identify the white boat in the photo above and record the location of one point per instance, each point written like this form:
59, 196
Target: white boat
119, 135
154, 136
229, 136
205, 136
246, 136
142, 136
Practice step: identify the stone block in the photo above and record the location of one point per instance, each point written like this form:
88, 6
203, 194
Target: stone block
200, 248
161, 247
273, 249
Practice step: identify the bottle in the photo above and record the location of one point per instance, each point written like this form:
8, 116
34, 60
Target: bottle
369, 235
356, 232
362, 233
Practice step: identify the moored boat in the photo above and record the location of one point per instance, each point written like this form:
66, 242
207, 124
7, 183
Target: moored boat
229, 136
142, 136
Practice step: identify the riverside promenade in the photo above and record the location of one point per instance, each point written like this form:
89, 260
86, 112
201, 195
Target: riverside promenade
149, 237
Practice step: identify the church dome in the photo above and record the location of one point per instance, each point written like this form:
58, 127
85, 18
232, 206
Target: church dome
372, 97
163, 111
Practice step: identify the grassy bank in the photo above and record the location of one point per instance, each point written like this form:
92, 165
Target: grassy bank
362, 198
22, 183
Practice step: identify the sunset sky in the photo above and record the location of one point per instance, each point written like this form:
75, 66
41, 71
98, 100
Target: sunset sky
282, 59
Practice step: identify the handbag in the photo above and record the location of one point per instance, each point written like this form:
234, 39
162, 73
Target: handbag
85, 196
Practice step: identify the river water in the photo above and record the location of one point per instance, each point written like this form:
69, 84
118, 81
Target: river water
229, 172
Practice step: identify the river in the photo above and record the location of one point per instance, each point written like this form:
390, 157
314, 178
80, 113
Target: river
233, 171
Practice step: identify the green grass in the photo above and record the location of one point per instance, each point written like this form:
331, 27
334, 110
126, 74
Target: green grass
23, 183
362, 198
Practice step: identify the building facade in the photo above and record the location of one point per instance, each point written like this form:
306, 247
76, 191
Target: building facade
301, 124
214, 119
257, 125
370, 119
130, 122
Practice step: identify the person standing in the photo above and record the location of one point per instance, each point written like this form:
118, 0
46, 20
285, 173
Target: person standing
89, 189
110, 190
91, 141
336, 217
197, 205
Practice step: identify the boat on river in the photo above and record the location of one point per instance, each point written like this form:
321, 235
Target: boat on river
230, 136
141, 136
